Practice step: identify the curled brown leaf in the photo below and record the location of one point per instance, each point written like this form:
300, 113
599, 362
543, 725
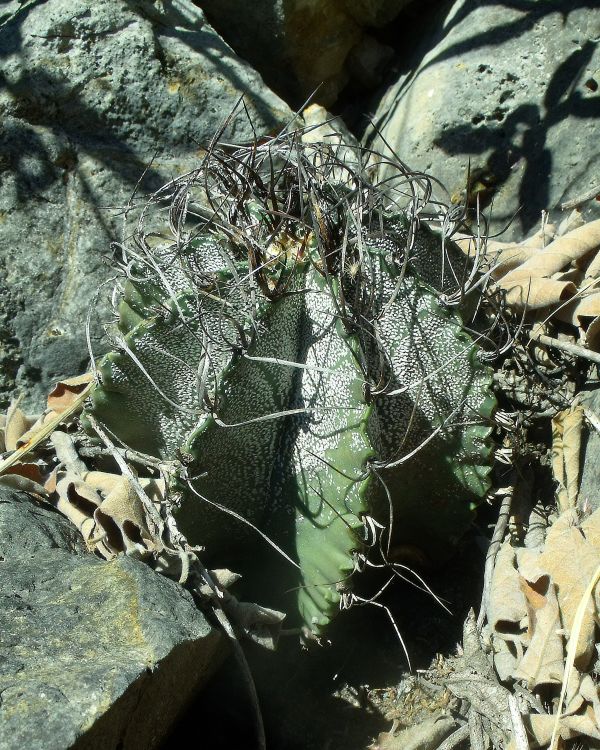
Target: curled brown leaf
65, 392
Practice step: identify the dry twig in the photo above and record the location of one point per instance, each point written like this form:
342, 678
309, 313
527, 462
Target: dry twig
566, 346
490, 560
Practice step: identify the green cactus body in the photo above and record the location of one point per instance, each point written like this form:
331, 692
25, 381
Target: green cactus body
442, 387
298, 372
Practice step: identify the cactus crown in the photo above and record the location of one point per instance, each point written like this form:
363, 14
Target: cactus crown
291, 338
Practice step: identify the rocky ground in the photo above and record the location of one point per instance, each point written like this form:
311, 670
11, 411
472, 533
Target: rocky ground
101, 104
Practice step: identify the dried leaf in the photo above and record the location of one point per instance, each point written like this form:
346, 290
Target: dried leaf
78, 501
52, 481
583, 723
530, 286
566, 450
593, 269
156, 489
501, 257
18, 482
574, 275
103, 481
560, 253
558, 463
50, 423
35, 427
507, 606
582, 310
123, 519
543, 663
589, 690
510, 258
574, 640
572, 560
468, 244
592, 335
544, 235
539, 729
106, 482
507, 656
572, 426
28, 470
528, 562
224, 577
16, 424
590, 526
572, 221
493, 248
534, 293
66, 453
66, 392
261, 624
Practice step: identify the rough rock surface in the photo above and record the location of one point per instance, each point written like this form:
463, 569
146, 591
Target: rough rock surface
100, 654
301, 46
514, 89
90, 95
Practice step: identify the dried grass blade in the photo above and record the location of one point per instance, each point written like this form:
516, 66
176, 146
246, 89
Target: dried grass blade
45, 431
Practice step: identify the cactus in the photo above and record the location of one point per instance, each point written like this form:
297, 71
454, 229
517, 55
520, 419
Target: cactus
291, 343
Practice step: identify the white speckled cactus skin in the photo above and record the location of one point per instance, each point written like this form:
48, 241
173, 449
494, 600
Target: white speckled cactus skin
289, 342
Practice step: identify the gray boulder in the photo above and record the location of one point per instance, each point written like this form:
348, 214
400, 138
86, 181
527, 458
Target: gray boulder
512, 88
99, 101
93, 654
28, 527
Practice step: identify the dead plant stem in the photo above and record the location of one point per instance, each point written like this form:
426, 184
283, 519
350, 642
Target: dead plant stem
490, 560
460, 735
519, 732
580, 199
565, 346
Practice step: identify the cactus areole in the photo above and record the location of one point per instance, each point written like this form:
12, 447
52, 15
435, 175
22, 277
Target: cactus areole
290, 339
